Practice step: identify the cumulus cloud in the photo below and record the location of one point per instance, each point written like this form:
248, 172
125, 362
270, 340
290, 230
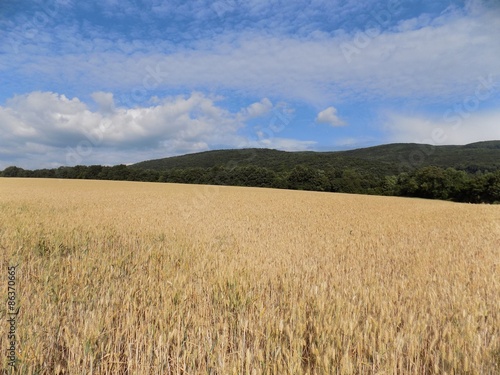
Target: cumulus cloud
104, 100
329, 116
257, 109
46, 129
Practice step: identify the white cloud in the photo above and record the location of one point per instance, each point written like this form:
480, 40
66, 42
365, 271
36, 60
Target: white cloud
104, 100
451, 129
257, 109
288, 54
45, 129
431, 59
329, 116
285, 144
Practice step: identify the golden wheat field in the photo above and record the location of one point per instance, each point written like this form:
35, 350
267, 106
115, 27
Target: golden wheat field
144, 278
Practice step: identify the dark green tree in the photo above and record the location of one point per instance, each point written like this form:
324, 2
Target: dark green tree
13, 171
305, 178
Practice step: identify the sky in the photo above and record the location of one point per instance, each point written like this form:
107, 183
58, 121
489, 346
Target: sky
118, 82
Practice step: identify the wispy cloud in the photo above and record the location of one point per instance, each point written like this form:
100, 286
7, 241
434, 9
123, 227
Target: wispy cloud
452, 130
417, 62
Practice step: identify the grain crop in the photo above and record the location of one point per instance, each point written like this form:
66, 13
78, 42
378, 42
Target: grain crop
149, 278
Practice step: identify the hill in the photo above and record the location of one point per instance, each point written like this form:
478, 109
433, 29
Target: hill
274, 160
385, 159
469, 173
483, 156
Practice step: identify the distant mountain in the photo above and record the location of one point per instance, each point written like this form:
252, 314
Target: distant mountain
385, 159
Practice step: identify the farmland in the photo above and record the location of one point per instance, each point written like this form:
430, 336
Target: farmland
143, 278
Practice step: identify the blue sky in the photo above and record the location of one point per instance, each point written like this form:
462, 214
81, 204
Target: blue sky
113, 82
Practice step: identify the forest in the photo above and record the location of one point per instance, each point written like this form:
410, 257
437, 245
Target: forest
431, 182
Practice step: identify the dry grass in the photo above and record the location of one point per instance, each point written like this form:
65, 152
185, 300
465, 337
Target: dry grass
137, 278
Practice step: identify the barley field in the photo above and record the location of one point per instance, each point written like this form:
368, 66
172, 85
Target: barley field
144, 278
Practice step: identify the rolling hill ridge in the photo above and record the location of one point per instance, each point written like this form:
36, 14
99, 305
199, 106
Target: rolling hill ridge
469, 173
385, 159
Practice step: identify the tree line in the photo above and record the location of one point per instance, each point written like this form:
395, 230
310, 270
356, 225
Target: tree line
430, 182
